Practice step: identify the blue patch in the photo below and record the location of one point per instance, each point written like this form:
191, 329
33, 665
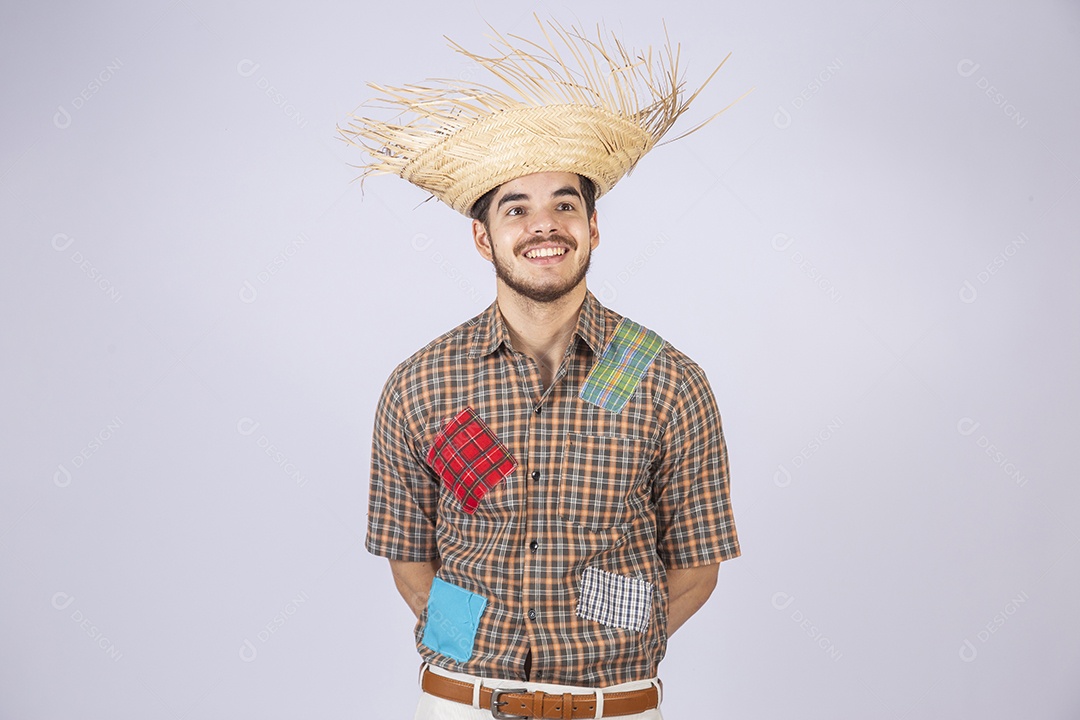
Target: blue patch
453, 614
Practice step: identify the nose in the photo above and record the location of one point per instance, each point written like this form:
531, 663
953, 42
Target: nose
543, 222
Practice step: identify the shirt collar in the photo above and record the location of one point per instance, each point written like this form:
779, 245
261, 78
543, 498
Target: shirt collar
591, 326
490, 330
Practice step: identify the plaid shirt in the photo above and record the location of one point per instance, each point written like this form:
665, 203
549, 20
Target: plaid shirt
554, 511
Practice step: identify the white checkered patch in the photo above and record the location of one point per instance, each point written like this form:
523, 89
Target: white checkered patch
615, 600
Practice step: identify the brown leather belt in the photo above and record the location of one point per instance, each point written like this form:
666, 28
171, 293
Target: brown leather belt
519, 703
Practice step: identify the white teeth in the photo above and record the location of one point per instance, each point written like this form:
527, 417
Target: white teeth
545, 252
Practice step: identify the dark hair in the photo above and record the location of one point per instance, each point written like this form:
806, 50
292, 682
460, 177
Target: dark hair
479, 209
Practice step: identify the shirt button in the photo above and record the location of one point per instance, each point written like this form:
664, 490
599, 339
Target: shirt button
538, 408
536, 475
534, 545
532, 614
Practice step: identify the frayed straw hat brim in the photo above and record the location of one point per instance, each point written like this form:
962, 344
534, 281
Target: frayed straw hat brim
574, 105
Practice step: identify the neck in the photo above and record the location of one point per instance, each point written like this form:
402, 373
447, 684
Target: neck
541, 330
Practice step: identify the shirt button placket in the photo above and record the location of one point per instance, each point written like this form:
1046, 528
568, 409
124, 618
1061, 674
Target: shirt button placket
534, 521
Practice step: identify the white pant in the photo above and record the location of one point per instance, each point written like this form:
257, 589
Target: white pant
436, 708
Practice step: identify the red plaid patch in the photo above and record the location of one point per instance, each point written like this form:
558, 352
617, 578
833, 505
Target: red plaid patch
469, 458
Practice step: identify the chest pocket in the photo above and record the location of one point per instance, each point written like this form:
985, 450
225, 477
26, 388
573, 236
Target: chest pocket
599, 478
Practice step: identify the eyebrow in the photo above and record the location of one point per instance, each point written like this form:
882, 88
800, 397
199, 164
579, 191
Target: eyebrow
561, 192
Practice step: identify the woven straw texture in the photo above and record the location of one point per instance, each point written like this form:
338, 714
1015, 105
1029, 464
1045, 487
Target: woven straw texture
569, 103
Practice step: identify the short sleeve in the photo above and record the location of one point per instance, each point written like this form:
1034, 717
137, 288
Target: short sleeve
695, 524
403, 498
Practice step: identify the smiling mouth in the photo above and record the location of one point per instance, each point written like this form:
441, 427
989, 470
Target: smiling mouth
545, 252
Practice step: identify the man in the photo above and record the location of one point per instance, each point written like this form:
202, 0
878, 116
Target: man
549, 479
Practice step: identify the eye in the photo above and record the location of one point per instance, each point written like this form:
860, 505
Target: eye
566, 206
516, 210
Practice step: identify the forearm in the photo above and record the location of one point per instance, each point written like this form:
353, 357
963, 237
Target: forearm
688, 589
413, 581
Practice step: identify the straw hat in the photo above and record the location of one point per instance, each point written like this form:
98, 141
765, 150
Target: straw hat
570, 104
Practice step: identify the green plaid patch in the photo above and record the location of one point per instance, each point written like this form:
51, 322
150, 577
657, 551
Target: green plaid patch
615, 376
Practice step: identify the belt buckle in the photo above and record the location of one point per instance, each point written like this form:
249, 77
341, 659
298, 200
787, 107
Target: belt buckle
496, 693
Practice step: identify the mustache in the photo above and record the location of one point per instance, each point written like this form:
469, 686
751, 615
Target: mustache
528, 245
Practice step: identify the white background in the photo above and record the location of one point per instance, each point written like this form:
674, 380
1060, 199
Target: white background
872, 256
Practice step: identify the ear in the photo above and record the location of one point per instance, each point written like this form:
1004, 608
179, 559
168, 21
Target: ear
480, 240
594, 231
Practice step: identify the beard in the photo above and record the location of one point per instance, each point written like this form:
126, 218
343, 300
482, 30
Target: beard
539, 293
